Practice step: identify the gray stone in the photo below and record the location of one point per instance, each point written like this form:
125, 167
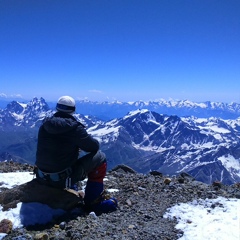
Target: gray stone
35, 192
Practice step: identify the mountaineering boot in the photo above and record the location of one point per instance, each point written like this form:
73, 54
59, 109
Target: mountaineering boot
95, 198
106, 206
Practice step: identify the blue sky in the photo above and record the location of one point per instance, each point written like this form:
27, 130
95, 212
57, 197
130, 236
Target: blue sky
123, 50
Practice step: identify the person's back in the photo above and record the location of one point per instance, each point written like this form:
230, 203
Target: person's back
60, 139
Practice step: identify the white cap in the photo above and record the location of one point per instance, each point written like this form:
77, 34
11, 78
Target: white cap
66, 104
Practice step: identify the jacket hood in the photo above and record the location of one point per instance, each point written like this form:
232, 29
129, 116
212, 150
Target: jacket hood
58, 125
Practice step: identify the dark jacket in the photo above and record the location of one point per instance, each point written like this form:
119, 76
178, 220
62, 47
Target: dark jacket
59, 139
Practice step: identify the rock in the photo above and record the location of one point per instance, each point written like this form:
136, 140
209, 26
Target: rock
11, 166
142, 199
33, 191
237, 195
125, 168
131, 226
129, 203
23, 237
167, 180
6, 226
237, 185
41, 236
156, 173
217, 184
187, 176
62, 225
93, 215
181, 180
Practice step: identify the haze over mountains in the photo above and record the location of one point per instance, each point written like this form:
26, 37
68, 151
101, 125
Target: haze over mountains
168, 136
110, 110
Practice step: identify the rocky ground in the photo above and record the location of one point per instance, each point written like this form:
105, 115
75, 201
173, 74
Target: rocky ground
143, 200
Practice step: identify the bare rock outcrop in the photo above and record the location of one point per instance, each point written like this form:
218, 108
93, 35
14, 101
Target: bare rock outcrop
33, 191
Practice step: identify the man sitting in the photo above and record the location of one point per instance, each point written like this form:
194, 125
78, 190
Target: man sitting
60, 138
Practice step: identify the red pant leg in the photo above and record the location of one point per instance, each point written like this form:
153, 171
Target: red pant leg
98, 174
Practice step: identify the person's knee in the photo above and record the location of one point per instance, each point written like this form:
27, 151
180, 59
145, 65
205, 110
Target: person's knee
100, 157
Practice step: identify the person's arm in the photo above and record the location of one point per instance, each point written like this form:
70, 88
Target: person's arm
86, 142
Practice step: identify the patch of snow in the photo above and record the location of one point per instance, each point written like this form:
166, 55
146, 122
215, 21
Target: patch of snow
229, 162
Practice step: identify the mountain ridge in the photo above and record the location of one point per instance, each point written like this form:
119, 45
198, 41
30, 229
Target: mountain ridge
208, 148
171, 107
109, 110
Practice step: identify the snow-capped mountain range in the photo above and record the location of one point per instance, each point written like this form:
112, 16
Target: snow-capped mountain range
111, 110
206, 148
